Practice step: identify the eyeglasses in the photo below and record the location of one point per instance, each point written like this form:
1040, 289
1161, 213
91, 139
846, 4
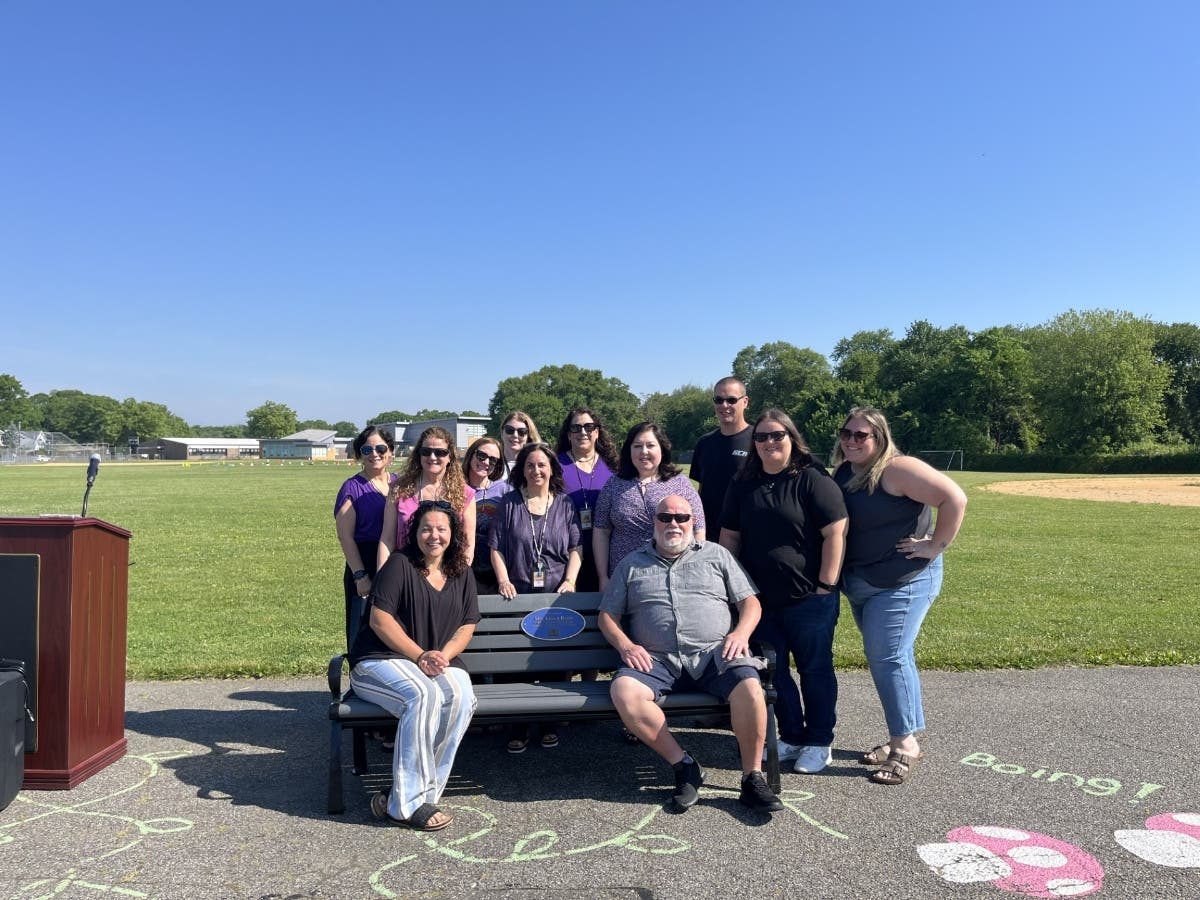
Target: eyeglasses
439, 452
775, 437
519, 432
482, 457
727, 401
577, 427
846, 434
443, 505
679, 518
368, 449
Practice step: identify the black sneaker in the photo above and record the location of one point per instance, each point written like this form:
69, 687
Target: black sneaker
688, 778
756, 794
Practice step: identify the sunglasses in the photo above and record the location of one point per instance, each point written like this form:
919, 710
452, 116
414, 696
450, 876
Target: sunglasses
519, 432
482, 457
775, 437
439, 452
587, 427
679, 518
846, 434
368, 449
443, 505
728, 401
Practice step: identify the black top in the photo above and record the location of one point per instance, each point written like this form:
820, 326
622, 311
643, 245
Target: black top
878, 522
430, 617
780, 518
715, 461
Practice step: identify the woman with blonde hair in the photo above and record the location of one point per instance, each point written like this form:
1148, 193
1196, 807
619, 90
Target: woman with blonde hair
893, 570
432, 473
517, 431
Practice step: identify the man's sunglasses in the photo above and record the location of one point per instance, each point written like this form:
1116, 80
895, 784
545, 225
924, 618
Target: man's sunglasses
577, 427
775, 437
482, 457
439, 452
845, 434
728, 401
368, 449
679, 518
519, 432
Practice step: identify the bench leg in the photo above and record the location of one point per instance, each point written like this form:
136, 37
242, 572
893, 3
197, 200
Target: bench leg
336, 802
359, 741
773, 779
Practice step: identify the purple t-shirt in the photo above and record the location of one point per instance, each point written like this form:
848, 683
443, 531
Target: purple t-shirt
513, 532
584, 487
630, 516
368, 506
487, 502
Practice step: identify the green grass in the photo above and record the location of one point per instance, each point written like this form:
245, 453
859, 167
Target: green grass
235, 570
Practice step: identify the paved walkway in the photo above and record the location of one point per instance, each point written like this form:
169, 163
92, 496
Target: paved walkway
1060, 782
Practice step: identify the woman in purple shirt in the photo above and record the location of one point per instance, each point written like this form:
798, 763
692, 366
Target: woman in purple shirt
358, 516
625, 509
588, 460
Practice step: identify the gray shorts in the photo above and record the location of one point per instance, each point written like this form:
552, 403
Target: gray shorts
660, 680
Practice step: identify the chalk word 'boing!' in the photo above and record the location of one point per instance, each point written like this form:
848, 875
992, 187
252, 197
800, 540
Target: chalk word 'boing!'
1097, 787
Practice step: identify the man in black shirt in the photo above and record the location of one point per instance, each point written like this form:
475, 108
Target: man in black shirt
719, 454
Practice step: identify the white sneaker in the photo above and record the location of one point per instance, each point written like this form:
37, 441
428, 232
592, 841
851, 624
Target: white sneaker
787, 751
813, 759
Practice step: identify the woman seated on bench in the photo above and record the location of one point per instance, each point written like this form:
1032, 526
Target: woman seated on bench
423, 612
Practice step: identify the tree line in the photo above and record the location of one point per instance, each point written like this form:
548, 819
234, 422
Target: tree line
1088, 382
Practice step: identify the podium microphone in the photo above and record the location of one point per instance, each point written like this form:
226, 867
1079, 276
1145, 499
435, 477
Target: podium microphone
92, 472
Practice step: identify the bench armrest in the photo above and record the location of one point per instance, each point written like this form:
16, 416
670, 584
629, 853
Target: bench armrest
767, 652
335, 676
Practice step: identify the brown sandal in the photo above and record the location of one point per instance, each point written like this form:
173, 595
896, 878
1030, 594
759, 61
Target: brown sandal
876, 756
896, 769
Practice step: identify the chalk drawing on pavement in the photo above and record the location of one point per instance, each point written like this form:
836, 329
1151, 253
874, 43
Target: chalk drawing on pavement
546, 844
1096, 786
1170, 839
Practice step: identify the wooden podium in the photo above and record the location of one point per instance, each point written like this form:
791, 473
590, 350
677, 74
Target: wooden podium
76, 622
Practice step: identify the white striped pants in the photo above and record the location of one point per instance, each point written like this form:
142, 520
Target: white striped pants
434, 714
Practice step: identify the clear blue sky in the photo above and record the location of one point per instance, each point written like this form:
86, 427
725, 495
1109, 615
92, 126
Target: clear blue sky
352, 207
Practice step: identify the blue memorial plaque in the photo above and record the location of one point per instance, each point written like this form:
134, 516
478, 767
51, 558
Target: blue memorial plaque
552, 623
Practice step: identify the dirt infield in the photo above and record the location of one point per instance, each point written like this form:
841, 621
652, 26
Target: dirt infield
1171, 490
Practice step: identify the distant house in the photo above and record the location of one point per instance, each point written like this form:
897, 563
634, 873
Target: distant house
201, 448
464, 428
311, 443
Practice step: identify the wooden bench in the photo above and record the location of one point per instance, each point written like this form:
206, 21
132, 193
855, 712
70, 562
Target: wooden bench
501, 647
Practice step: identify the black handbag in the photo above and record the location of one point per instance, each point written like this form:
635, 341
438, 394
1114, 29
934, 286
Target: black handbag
14, 712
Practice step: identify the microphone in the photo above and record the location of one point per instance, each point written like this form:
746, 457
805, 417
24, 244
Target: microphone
92, 472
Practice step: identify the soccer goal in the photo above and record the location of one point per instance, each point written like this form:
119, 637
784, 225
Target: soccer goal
942, 459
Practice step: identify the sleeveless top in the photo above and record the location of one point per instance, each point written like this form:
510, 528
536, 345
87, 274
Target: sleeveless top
877, 522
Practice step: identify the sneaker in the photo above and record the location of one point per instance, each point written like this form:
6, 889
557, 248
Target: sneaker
757, 795
787, 752
813, 759
688, 778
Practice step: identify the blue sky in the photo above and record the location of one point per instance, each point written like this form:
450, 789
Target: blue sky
354, 207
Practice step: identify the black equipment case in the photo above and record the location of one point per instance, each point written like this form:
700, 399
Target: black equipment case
14, 697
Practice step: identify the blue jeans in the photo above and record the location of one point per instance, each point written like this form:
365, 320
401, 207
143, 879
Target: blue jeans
803, 632
890, 619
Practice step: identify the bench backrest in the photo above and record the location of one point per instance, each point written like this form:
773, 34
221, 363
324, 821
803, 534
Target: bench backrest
499, 646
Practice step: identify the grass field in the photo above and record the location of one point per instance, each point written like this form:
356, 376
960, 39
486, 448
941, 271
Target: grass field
235, 570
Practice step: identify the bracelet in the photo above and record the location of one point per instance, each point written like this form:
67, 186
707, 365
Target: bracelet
359, 575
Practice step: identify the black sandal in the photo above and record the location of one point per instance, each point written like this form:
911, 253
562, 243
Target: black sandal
420, 819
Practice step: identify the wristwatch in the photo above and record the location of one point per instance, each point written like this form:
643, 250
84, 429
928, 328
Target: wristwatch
359, 575
826, 587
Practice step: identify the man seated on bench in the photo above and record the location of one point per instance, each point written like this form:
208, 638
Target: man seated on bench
677, 593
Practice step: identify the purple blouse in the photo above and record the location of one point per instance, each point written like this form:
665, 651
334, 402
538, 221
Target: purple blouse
368, 506
630, 516
584, 487
513, 535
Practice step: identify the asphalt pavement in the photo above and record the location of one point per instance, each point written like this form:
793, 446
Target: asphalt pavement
1047, 783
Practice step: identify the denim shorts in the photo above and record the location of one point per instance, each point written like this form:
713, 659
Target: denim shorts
660, 680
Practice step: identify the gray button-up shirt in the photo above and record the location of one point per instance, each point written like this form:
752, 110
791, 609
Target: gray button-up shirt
679, 609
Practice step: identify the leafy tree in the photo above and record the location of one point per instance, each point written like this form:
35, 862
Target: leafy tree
315, 423
1097, 384
86, 418
549, 392
685, 414
913, 371
345, 429
857, 360
470, 412
270, 420
1178, 347
219, 431
15, 406
392, 415
148, 421
798, 381
422, 415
